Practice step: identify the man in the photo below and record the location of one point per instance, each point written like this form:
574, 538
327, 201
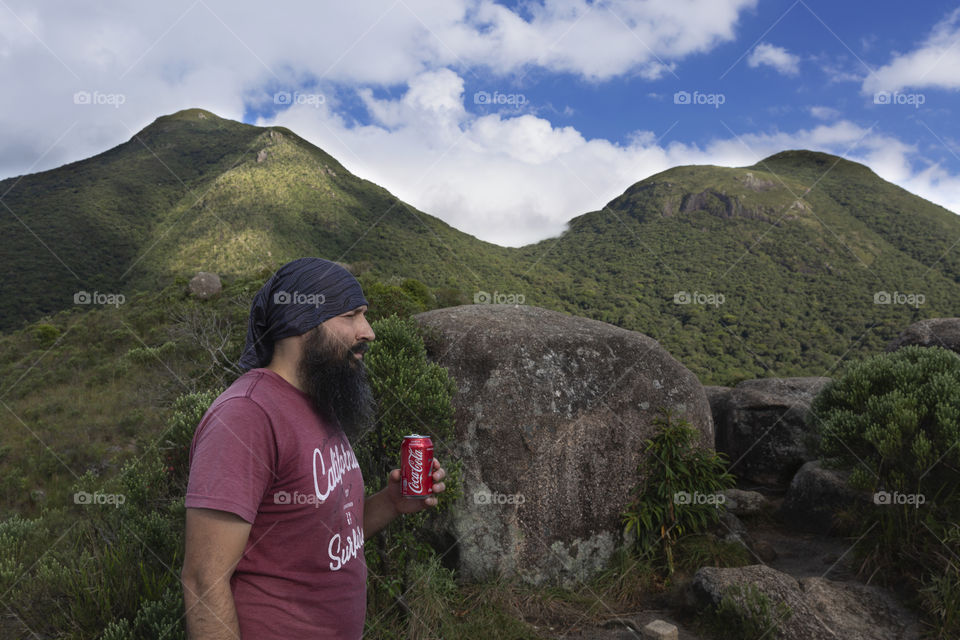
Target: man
276, 514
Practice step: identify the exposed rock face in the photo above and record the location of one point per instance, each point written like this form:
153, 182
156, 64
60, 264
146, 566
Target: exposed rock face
815, 496
821, 609
744, 503
722, 205
859, 612
761, 426
205, 285
717, 397
757, 184
551, 413
934, 332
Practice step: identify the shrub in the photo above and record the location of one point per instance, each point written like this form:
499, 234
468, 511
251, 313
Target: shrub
673, 473
413, 396
894, 419
403, 300
45, 335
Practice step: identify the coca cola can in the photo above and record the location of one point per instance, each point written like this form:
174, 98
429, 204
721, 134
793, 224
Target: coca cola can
416, 467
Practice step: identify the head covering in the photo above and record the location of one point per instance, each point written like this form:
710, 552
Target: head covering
298, 297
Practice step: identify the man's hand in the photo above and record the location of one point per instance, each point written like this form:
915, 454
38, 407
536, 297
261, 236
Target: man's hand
384, 506
412, 505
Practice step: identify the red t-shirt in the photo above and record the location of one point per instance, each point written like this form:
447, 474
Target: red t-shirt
263, 453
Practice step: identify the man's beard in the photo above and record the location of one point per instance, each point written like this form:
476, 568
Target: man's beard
336, 381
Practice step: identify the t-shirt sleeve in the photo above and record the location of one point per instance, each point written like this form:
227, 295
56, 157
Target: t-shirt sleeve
233, 459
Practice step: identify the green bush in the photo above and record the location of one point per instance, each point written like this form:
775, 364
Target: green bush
675, 470
188, 410
413, 396
405, 300
894, 420
45, 335
108, 568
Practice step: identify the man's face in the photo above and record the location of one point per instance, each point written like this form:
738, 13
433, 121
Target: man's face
332, 372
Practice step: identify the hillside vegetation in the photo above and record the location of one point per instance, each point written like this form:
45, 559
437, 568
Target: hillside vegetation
739, 272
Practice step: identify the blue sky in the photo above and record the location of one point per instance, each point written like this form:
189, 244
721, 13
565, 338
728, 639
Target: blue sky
504, 119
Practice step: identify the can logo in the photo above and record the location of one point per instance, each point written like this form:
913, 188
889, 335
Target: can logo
416, 455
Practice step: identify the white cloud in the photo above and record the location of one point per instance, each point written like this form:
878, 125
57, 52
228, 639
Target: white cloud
934, 64
824, 113
777, 57
517, 179
220, 54
510, 177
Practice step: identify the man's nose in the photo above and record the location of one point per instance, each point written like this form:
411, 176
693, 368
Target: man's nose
365, 332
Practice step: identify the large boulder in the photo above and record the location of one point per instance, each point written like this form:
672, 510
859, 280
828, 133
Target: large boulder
761, 426
718, 398
820, 609
933, 332
552, 412
815, 497
205, 285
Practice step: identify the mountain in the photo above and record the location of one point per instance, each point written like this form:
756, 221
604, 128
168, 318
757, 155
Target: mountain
782, 268
194, 191
795, 253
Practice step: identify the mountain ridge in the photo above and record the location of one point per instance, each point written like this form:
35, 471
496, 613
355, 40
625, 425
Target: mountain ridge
796, 244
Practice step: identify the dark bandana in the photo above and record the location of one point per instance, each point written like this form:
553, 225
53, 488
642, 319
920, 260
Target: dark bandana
298, 297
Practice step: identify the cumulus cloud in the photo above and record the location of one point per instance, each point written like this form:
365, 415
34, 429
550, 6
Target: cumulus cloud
220, 54
516, 179
773, 56
509, 176
933, 64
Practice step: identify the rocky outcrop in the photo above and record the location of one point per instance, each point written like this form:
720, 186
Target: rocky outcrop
744, 503
816, 496
819, 609
717, 397
552, 412
761, 427
934, 332
757, 184
205, 285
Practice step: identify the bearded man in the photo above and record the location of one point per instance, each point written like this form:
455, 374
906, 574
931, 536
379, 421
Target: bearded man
276, 512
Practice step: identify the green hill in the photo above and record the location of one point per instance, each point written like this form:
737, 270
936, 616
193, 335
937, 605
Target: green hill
798, 246
780, 262
194, 191
770, 270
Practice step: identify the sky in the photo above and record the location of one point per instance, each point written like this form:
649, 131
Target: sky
504, 119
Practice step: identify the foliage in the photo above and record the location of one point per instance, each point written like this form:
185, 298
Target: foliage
45, 335
894, 419
110, 562
390, 299
678, 491
940, 594
413, 396
110, 569
161, 619
794, 300
746, 613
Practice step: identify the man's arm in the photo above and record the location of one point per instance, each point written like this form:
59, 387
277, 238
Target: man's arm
378, 512
215, 541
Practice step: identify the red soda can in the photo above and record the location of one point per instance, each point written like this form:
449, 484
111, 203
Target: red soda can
416, 467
